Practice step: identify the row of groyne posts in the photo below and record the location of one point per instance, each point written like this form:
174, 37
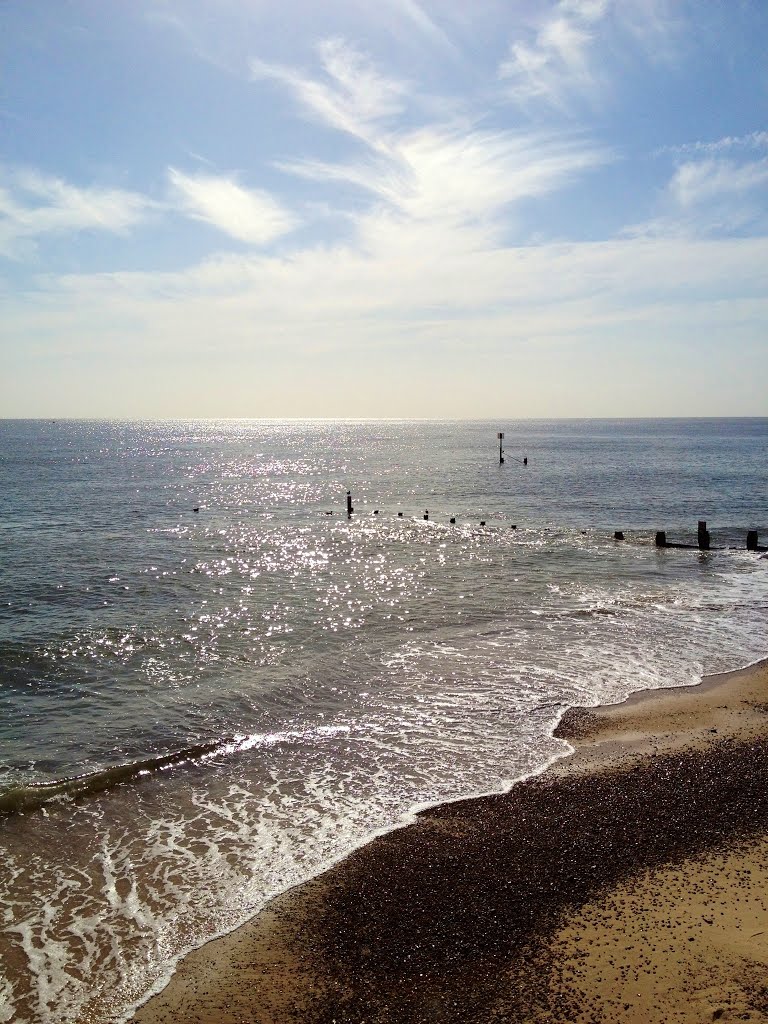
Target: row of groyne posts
452, 520
703, 540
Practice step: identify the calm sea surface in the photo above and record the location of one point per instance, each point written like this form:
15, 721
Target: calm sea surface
199, 709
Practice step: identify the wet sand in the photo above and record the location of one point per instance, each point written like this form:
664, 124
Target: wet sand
628, 883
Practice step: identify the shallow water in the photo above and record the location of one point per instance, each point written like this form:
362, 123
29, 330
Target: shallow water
199, 709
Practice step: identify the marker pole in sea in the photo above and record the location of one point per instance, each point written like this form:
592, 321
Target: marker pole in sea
501, 449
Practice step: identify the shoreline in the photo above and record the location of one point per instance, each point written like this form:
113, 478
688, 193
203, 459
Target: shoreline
478, 909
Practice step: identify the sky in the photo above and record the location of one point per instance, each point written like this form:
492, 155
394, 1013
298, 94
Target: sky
399, 208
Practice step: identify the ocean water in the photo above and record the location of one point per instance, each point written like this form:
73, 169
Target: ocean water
199, 709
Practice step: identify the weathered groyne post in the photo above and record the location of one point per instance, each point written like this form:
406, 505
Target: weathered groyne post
751, 540
350, 510
501, 449
661, 539
703, 536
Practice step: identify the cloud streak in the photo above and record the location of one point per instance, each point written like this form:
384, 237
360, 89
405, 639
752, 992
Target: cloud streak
353, 97
751, 140
33, 205
458, 178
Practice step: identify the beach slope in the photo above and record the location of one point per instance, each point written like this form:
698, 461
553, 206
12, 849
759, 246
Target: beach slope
627, 883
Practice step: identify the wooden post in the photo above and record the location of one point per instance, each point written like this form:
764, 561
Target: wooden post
703, 536
661, 539
350, 510
751, 540
618, 535
501, 449
426, 513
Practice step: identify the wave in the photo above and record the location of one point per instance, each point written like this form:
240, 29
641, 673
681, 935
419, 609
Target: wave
32, 795
28, 797
653, 602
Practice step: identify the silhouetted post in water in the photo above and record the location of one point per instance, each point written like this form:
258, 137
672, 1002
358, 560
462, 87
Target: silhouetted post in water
501, 450
426, 513
453, 521
525, 461
751, 540
703, 536
661, 539
618, 535
350, 510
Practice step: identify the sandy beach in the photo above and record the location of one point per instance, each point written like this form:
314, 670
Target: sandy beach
628, 883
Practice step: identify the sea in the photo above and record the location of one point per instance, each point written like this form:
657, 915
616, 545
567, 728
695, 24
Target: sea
214, 682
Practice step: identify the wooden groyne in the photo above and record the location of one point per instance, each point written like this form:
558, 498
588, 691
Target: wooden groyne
703, 540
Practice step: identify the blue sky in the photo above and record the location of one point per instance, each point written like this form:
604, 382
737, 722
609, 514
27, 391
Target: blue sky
458, 208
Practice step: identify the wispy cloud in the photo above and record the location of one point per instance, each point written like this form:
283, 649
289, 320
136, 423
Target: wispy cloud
430, 179
405, 16
452, 177
353, 97
566, 57
752, 140
248, 215
555, 64
33, 205
711, 196
699, 182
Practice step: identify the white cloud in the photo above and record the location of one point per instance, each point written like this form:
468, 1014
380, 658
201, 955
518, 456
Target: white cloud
417, 17
438, 174
441, 189
33, 205
309, 334
355, 98
699, 182
555, 64
454, 174
458, 177
567, 56
248, 215
751, 140
711, 196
